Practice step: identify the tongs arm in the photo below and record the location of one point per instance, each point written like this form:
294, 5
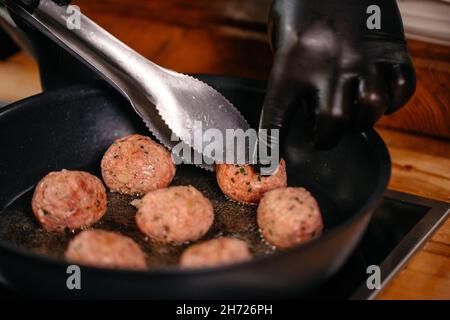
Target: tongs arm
110, 58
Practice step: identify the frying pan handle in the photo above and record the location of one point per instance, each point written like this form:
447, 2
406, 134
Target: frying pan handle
54, 62
8, 46
118, 64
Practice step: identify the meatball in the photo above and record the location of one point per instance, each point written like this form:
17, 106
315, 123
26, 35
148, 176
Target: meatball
175, 215
215, 252
289, 216
243, 184
105, 249
136, 164
68, 199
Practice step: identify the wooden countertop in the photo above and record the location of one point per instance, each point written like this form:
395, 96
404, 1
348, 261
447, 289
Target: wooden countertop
213, 37
421, 166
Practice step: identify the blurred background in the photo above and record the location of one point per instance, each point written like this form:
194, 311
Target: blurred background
229, 37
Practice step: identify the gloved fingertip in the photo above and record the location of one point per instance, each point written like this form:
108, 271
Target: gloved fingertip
372, 99
402, 86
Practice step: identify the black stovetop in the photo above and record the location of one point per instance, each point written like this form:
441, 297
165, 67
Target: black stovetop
399, 226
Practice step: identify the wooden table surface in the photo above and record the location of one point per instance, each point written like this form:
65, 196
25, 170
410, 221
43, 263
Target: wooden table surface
227, 37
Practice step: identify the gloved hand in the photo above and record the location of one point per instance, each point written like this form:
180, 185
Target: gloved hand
328, 61
55, 63
8, 47
30, 5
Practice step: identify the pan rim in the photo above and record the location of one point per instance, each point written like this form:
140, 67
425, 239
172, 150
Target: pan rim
99, 87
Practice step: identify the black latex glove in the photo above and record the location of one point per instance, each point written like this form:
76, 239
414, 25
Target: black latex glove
30, 5
54, 62
327, 61
8, 47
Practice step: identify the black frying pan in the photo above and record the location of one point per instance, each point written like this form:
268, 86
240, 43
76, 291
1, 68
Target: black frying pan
72, 127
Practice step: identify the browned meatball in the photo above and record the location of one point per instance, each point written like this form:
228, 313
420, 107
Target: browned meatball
243, 184
215, 252
289, 216
136, 165
175, 215
68, 199
105, 249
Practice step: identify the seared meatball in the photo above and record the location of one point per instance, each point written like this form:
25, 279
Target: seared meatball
136, 165
105, 249
289, 216
243, 184
175, 215
68, 199
215, 252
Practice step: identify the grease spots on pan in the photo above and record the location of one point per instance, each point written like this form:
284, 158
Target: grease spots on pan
19, 227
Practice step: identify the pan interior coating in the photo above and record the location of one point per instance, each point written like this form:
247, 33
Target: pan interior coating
19, 227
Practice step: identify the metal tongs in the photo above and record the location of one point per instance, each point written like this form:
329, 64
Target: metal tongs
168, 102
